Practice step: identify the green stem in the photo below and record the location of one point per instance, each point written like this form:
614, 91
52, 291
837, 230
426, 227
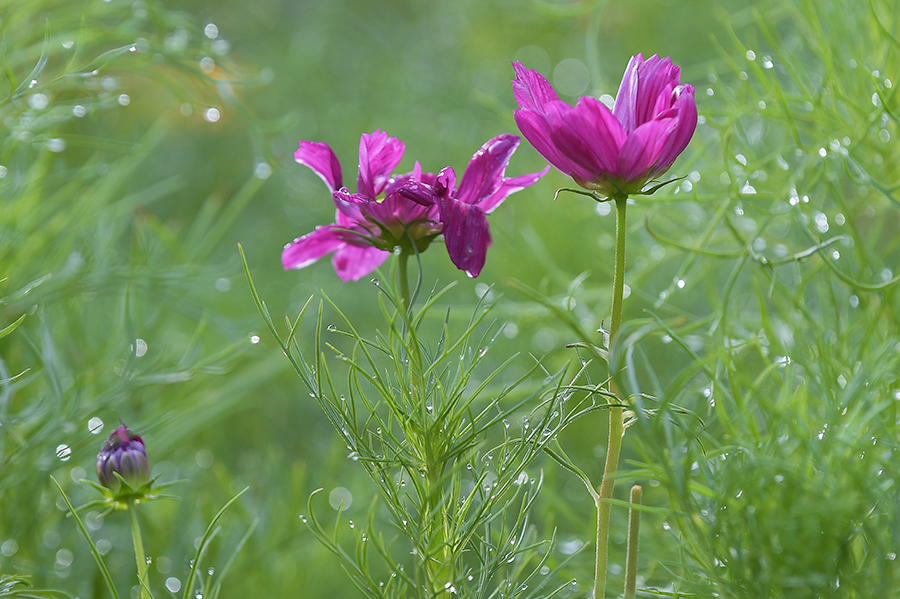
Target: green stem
142, 565
631, 555
616, 414
404, 280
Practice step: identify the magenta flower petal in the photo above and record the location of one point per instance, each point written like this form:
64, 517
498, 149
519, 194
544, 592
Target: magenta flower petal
484, 174
509, 187
536, 130
379, 155
531, 90
352, 262
642, 149
418, 192
466, 234
624, 107
616, 151
305, 250
590, 136
686, 108
321, 159
349, 206
407, 211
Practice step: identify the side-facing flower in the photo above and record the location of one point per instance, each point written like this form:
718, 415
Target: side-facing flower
123, 453
463, 209
611, 152
372, 221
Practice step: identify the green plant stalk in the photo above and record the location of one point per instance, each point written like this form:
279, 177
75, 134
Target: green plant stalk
634, 526
438, 564
139, 556
404, 280
616, 414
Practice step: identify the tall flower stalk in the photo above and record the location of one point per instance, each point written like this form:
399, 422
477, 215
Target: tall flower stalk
611, 154
408, 413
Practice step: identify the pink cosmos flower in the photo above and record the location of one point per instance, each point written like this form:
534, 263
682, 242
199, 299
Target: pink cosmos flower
372, 221
415, 207
616, 151
463, 210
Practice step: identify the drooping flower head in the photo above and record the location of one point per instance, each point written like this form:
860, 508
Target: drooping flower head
610, 151
406, 211
370, 222
123, 453
463, 210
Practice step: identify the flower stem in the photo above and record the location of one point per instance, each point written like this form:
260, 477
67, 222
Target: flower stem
404, 280
142, 566
634, 525
616, 414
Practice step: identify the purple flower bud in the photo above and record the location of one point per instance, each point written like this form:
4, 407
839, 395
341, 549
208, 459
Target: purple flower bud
123, 452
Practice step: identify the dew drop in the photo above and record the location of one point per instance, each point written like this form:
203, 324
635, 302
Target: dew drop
751, 55
56, 144
63, 452
262, 170
254, 339
38, 101
95, 425
211, 115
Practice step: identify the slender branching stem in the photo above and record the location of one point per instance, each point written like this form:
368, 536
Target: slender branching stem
404, 280
616, 414
139, 556
631, 555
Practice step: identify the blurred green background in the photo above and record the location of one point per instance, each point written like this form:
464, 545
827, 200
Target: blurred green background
159, 135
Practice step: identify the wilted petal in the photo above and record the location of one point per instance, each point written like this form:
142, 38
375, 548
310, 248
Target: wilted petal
466, 235
509, 187
379, 154
352, 262
589, 135
446, 182
421, 193
532, 91
348, 205
397, 209
484, 174
321, 159
305, 250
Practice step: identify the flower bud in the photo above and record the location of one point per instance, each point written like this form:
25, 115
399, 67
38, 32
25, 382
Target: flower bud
123, 452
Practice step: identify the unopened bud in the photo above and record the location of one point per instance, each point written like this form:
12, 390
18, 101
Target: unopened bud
123, 452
